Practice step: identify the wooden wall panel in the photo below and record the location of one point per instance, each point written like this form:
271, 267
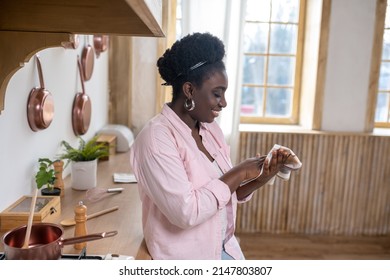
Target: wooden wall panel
343, 187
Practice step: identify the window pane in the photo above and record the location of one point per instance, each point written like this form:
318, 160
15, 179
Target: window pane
252, 101
256, 37
384, 76
253, 70
281, 70
279, 102
386, 45
257, 10
382, 107
269, 60
285, 11
283, 38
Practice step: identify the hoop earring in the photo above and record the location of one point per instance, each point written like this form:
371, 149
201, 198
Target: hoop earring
191, 106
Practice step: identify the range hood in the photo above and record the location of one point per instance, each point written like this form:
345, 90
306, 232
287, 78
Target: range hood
28, 26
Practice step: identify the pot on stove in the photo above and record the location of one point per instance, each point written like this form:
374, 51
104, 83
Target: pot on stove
46, 242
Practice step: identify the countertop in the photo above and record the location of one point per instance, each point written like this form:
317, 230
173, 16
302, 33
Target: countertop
126, 220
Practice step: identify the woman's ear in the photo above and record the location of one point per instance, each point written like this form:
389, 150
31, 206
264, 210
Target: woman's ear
188, 90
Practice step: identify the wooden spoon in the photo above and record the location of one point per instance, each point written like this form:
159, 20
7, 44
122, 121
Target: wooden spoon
72, 222
30, 220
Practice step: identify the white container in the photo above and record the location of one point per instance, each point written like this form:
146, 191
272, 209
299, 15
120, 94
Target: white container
124, 136
84, 174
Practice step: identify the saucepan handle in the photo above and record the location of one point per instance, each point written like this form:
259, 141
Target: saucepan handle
88, 237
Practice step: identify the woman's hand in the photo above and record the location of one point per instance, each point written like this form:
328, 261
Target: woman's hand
246, 170
251, 167
273, 165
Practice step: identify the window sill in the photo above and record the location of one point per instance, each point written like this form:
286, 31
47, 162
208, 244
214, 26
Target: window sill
300, 129
273, 128
381, 131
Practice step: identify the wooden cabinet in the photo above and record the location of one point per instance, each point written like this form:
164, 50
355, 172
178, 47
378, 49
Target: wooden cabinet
28, 26
121, 17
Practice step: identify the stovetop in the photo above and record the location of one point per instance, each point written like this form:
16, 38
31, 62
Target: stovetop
84, 256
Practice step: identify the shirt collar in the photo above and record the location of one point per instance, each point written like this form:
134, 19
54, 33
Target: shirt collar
177, 122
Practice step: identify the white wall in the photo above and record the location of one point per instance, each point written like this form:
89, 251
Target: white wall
20, 147
144, 77
351, 36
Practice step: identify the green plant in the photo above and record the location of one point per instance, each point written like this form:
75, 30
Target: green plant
45, 176
86, 151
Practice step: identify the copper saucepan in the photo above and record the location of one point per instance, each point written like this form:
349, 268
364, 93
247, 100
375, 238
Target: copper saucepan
88, 61
46, 242
100, 43
81, 112
40, 104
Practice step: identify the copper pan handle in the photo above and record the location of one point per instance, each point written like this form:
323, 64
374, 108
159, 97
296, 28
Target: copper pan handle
88, 237
81, 73
40, 72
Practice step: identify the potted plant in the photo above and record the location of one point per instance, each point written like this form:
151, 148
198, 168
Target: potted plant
46, 176
83, 161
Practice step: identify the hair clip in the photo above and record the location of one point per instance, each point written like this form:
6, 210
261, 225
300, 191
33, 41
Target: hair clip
197, 65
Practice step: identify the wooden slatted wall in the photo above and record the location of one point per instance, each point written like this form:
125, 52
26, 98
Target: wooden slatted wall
343, 187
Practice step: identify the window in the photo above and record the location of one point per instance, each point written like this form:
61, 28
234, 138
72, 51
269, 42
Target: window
271, 61
382, 114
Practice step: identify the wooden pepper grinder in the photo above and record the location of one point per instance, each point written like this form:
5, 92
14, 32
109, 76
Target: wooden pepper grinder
59, 182
81, 226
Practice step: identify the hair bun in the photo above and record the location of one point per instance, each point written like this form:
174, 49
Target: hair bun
187, 52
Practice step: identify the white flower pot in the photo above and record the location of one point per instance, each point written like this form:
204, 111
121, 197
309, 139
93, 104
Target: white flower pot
83, 174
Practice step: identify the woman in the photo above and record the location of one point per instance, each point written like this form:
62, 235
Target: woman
188, 187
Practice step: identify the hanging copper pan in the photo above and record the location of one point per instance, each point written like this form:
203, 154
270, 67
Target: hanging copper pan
88, 60
40, 104
100, 43
81, 112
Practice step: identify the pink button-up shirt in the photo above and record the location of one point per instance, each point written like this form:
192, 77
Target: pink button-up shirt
182, 196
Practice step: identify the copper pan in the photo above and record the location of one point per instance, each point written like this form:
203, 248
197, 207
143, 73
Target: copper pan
45, 242
100, 43
40, 104
88, 61
81, 111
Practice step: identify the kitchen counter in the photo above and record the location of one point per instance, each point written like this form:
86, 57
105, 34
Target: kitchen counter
126, 220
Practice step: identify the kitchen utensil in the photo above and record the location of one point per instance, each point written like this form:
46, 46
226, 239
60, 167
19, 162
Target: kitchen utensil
100, 43
72, 222
30, 220
40, 104
81, 112
46, 242
96, 194
88, 61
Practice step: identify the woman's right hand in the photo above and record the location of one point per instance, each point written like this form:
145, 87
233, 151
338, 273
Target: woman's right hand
245, 170
251, 167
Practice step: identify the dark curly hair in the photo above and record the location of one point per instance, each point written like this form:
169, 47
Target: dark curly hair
191, 59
